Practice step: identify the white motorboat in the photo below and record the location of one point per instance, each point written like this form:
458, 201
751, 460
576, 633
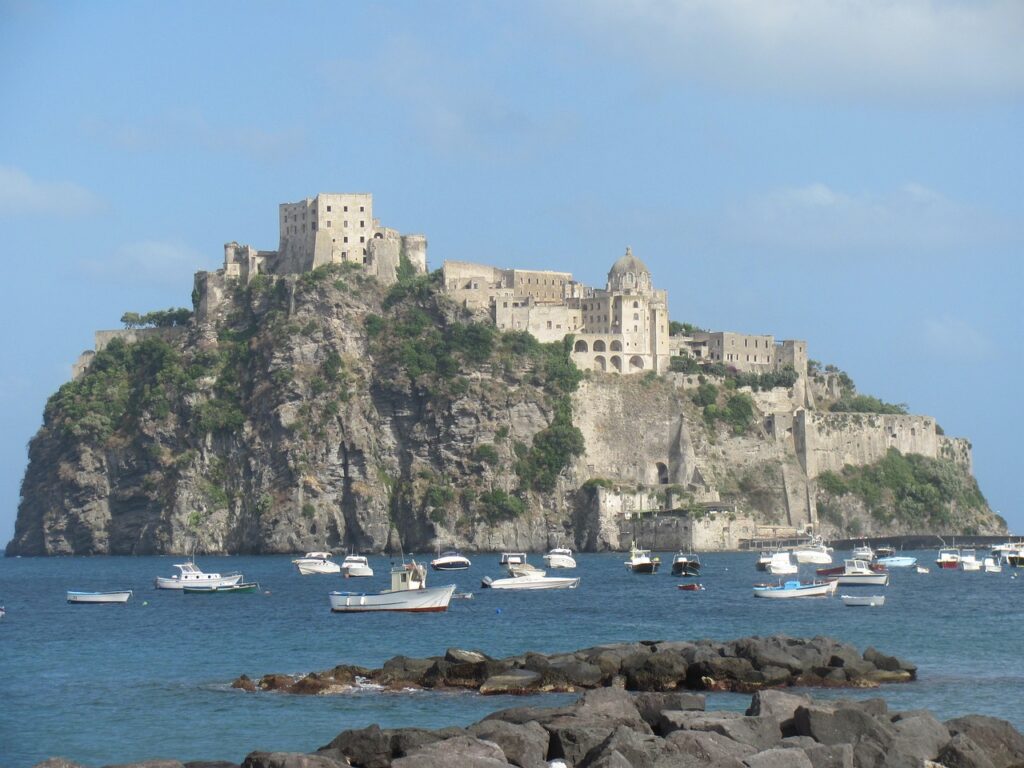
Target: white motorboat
524, 569
860, 572
991, 565
782, 565
685, 564
763, 561
948, 559
450, 560
409, 593
531, 581
863, 552
316, 562
1011, 553
640, 561
866, 601
190, 575
793, 589
922, 569
560, 557
897, 561
813, 552
969, 560
355, 565
99, 597
512, 558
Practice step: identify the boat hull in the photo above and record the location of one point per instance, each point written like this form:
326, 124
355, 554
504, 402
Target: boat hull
162, 582
949, 565
812, 557
897, 561
644, 568
450, 564
430, 600
685, 569
862, 579
795, 591
357, 572
559, 561
312, 568
231, 589
109, 598
531, 582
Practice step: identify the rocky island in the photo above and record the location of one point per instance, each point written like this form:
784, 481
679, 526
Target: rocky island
335, 393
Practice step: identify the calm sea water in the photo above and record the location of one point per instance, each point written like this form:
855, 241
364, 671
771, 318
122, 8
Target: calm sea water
109, 684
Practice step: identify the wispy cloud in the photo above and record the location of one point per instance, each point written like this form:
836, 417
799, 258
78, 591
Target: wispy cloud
954, 337
191, 128
22, 195
152, 262
911, 49
819, 218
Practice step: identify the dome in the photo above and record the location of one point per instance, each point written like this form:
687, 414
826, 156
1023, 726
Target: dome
629, 273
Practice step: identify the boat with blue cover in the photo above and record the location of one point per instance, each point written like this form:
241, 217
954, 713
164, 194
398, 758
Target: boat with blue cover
796, 589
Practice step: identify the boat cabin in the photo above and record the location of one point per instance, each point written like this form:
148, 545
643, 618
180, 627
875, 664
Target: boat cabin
408, 576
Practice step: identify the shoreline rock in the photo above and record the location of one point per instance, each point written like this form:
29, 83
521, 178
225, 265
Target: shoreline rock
744, 666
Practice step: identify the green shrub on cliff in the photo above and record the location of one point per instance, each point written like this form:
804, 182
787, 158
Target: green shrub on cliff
553, 449
910, 488
853, 403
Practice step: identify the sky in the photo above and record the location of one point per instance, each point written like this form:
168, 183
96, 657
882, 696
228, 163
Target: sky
851, 174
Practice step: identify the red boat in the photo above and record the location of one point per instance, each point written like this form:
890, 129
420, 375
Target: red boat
839, 570
691, 587
948, 558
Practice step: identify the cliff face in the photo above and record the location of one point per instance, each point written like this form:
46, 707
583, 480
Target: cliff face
322, 411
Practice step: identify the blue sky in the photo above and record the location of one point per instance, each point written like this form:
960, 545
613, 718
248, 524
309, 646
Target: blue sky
846, 173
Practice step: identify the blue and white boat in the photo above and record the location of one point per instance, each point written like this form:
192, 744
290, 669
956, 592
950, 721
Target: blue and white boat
796, 589
897, 561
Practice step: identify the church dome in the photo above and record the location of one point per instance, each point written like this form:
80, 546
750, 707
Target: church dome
629, 273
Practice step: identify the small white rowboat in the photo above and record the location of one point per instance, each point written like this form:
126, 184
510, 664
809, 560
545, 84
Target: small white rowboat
867, 601
99, 597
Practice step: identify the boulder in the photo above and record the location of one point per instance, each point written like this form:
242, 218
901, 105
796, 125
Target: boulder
57, 762
290, 760
368, 747
830, 755
779, 758
962, 752
244, 683
524, 745
573, 672
514, 681
612, 705
889, 663
459, 750
651, 704
210, 764
1003, 743
654, 671
921, 737
520, 715
759, 732
572, 740
637, 749
777, 705
701, 748
843, 725
461, 656
154, 763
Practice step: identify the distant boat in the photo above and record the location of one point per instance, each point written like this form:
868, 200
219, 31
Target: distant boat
860, 572
316, 562
450, 560
838, 569
531, 582
99, 597
863, 552
867, 601
922, 569
512, 558
782, 565
245, 588
524, 569
948, 559
991, 565
897, 561
640, 561
763, 561
969, 561
796, 589
409, 593
560, 557
691, 587
356, 565
685, 564
190, 575
881, 552
814, 552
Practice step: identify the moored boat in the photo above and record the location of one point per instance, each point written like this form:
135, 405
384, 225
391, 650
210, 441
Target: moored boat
560, 557
782, 565
885, 551
316, 562
120, 596
763, 561
794, 589
244, 588
409, 593
531, 582
922, 569
813, 552
969, 561
860, 572
512, 558
451, 560
865, 601
863, 552
837, 569
685, 564
948, 559
897, 561
640, 561
524, 569
691, 587
991, 565
190, 575
356, 566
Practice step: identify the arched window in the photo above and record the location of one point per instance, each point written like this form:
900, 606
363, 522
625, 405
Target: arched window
616, 346
599, 346
636, 363
581, 346
636, 305
662, 473
600, 363
616, 363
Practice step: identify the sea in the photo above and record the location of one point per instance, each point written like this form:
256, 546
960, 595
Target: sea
108, 684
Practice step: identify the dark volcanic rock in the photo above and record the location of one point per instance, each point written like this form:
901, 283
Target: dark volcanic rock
1003, 744
290, 760
962, 752
524, 745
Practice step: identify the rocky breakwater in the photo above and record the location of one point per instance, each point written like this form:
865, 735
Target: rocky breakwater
745, 665
612, 728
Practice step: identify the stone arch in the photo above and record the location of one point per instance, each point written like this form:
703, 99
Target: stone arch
662, 470
636, 363
599, 346
581, 346
616, 362
616, 346
378, 235
600, 364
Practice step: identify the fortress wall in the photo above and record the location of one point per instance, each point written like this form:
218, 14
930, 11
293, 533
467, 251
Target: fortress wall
829, 441
134, 335
957, 449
